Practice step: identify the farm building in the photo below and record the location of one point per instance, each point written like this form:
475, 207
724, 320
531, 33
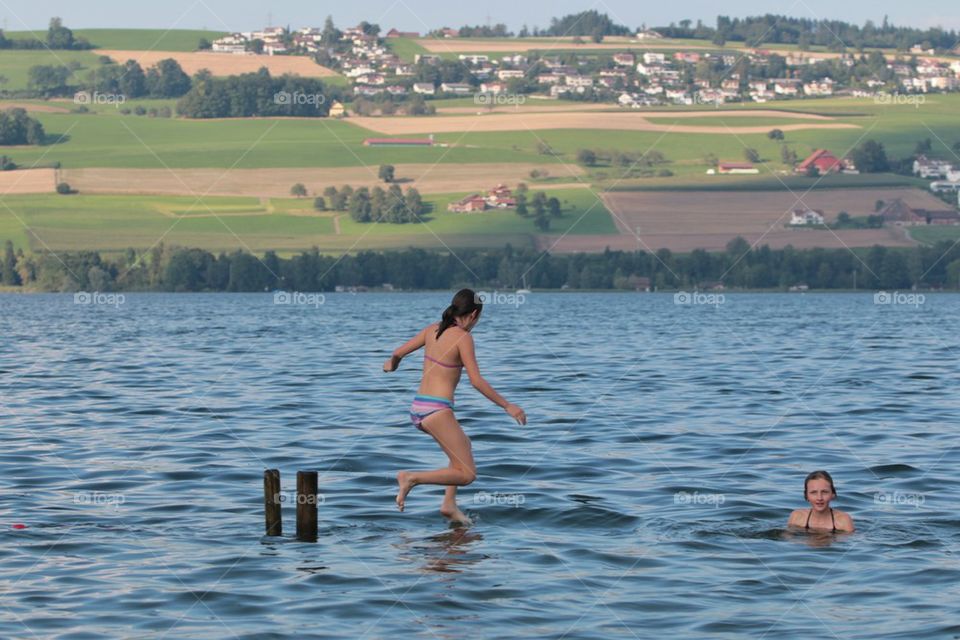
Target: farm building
398, 142
736, 167
500, 197
824, 161
469, 204
395, 33
801, 217
900, 213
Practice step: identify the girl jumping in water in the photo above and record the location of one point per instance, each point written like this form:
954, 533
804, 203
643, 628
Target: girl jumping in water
448, 348
819, 491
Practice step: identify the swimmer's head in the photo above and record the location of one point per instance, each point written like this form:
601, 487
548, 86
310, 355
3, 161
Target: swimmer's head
464, 311
818, 475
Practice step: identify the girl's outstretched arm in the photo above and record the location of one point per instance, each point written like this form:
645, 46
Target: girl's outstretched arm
469, 357
409, 347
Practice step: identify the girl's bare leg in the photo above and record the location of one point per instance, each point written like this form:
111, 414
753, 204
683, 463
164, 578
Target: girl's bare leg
445, 429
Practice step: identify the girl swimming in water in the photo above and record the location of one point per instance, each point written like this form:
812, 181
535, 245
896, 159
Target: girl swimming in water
818, 490
448, 348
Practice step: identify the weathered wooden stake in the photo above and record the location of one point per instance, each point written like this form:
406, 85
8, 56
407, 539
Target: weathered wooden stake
307, 506
271, 502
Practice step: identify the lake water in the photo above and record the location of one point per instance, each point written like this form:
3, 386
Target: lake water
667, 444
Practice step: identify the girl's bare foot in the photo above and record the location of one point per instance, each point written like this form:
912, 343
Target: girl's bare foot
405, 483
454, 514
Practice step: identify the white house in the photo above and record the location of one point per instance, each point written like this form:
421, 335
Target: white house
801, 217
648, 34
927, 168
654, 58
234, 43
579, 81
456, 87
822, 87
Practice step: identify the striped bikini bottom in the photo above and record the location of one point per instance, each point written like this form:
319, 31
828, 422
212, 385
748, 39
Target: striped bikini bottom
424, 406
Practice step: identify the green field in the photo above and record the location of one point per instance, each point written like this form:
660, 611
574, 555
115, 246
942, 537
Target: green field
110, 139
406, 48
148, 39
933, 234
134, 39
731, 121
15, 65
113, 223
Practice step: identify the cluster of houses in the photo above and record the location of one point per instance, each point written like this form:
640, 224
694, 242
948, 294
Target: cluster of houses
372, 67
305, 40
897, 212
945, 175
500, 197
634, 79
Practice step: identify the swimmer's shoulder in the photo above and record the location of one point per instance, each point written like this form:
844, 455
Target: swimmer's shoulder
843, 520
797, 517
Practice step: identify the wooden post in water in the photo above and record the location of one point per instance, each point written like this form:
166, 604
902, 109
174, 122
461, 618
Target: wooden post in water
307, 506
271, 502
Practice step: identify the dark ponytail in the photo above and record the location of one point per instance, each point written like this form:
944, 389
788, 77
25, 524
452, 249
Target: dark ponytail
464, 303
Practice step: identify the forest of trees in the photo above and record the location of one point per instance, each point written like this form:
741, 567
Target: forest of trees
58, 37
586, 23
374, 205
257, 94
166, 268
805, 32
16, 127
165, 79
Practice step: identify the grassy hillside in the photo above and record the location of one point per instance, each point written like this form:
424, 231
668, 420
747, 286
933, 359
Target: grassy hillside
148, 39
134, 39
113, 223
110, 139
15, 65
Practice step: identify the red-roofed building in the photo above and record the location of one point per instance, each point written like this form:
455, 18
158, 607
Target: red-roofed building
394, 33
824, 161
469, 204
398, 142
500, 197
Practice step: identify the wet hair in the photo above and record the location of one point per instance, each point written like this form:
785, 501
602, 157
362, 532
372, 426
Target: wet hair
818, 475
464, 303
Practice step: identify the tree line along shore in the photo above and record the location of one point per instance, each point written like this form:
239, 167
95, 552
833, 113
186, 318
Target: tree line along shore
739, 267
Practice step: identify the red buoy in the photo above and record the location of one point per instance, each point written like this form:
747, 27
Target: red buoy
17, 525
